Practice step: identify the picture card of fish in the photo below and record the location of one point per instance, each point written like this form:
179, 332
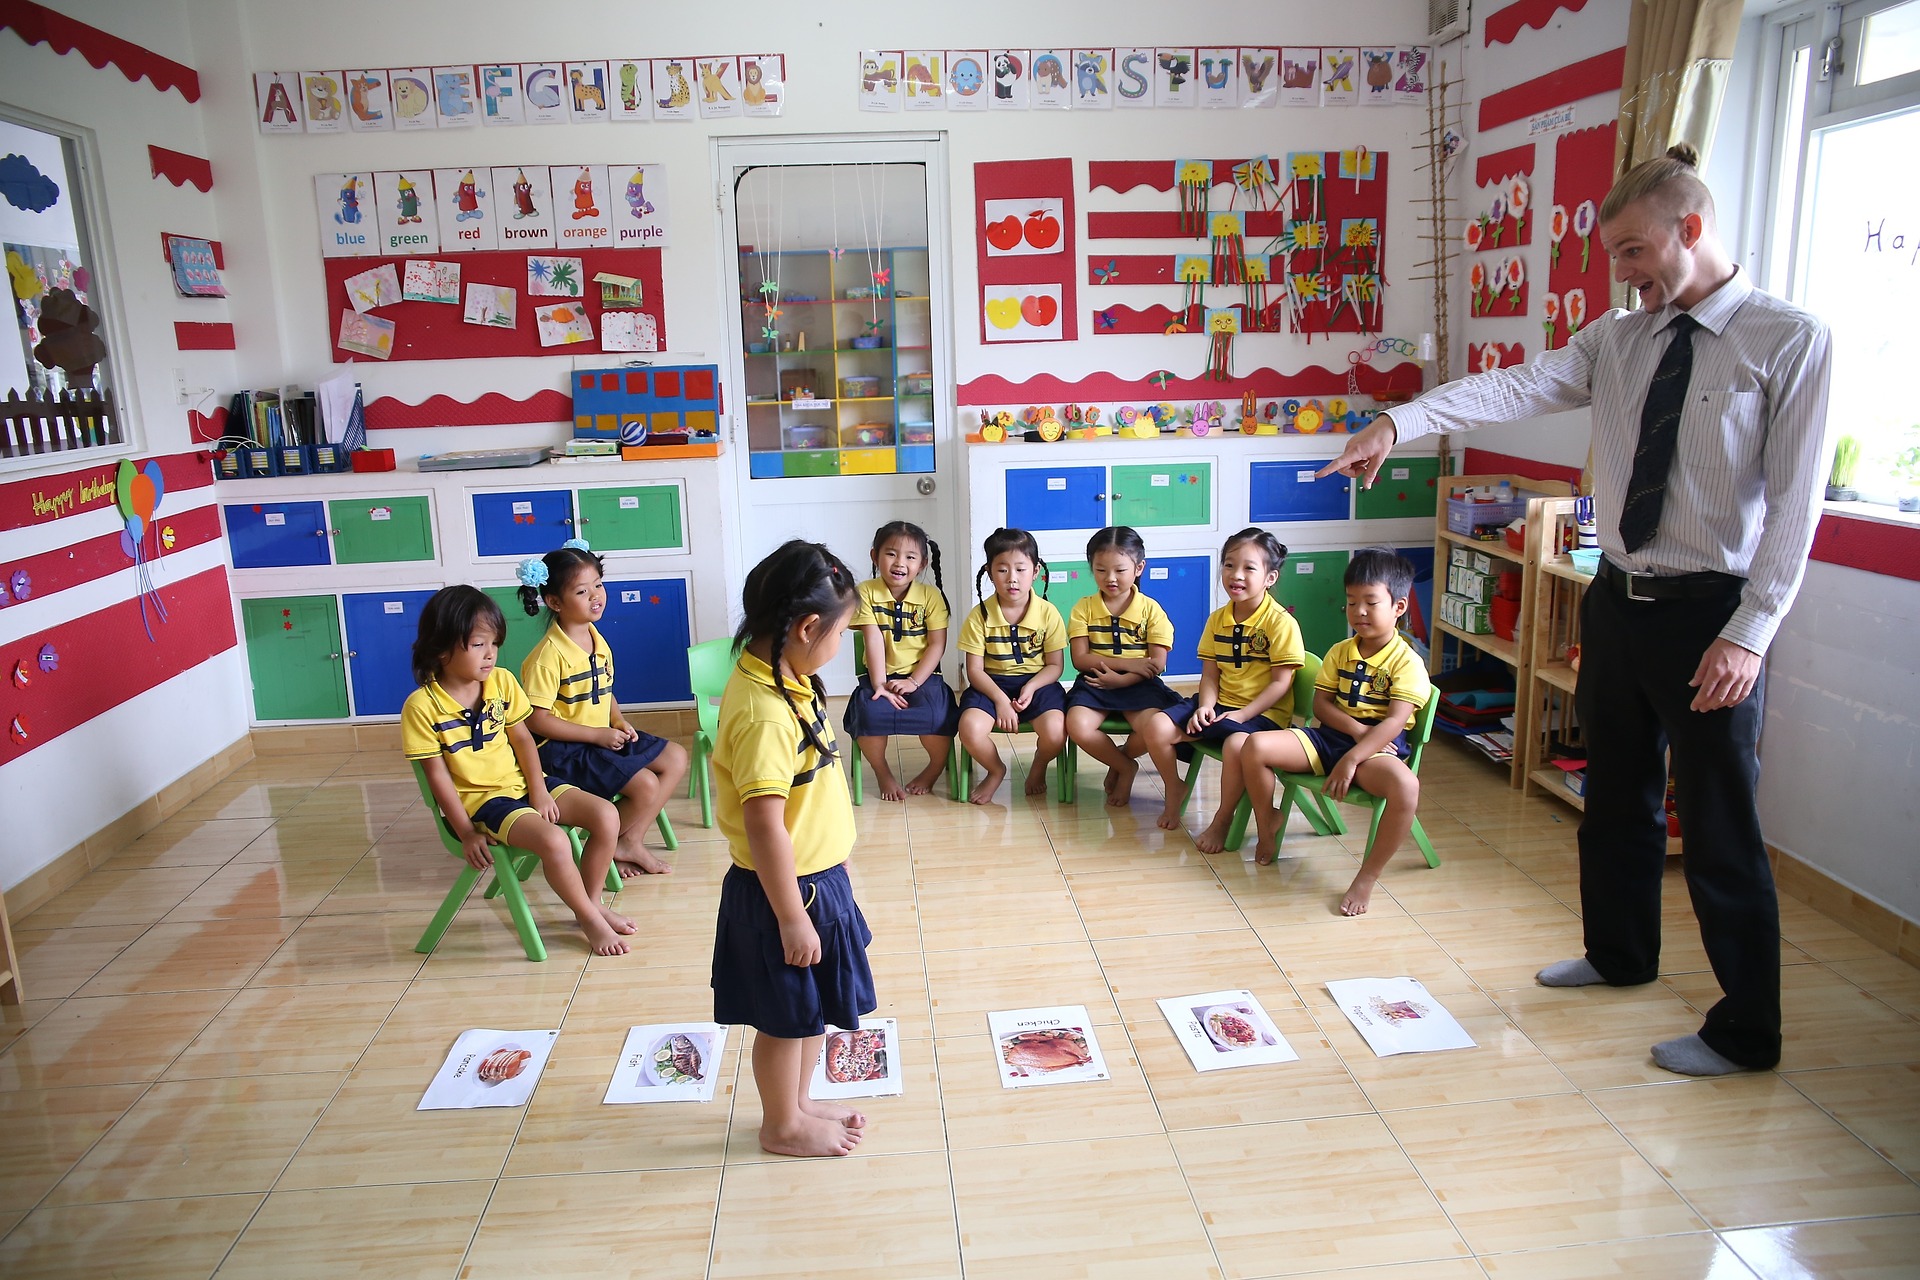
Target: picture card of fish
863, 1063
1045, 1046
669, 1062
1398, 1015
489, 1068
563, 323
1221, 1029
554, 277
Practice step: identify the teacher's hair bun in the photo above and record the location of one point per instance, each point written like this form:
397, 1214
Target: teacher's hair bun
1686, 153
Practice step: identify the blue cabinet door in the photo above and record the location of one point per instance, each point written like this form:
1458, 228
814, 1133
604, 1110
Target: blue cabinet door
646, 626
1282, 491
1183, 586
273, 535
1056, 497
381, 626
522, 522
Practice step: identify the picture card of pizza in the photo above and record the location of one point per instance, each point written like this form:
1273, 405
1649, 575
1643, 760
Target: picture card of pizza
1221, 1029
489, 1068
1045, 1046
1398, 1015
864, 1063
669, 1062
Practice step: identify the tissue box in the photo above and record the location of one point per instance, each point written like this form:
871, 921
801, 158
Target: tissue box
1466, 615
1468, 558
1471, 583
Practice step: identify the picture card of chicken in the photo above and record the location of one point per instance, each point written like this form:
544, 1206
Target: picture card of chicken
1035, 1047
1220, 1029
864, 1063
1013, 228
489, 1068
1398, 1015
669, 1062
1022, 313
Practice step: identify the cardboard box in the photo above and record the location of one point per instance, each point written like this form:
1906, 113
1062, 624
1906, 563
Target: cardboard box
1474, 585
1466, 615
1468, 558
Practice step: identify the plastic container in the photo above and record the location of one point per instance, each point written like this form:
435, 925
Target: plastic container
916, 384
1484, 520
916, 433
868, 342
1586, 561
1504, 615
866, 435
807, 437
859, 387
372, 459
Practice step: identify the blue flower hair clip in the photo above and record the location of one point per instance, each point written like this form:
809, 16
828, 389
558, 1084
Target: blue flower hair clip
575, 544
533, 572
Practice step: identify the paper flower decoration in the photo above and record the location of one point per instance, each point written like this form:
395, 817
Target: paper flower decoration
1363, 234
1585, 217
1550, 308
1306, 235
1497, 218
1516, 274
1310, 287
1576, 306
1476, 231
1557, 228
1518, 193
1477, 282
1489, 358
1252, 175
1306, 164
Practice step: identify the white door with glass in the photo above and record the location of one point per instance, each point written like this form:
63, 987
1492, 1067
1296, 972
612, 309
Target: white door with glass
839, 364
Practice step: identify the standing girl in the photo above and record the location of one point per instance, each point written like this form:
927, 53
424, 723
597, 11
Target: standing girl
1249, 654
903, 635
466, 725
1016, 649
1119, 638
582, 736
790, 953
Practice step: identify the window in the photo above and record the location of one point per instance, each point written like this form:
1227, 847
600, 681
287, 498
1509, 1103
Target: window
66, 401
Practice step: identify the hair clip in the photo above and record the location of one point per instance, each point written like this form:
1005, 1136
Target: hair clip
533, 572
575, 544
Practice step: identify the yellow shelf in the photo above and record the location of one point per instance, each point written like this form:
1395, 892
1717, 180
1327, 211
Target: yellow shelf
1554, 781
1492, 645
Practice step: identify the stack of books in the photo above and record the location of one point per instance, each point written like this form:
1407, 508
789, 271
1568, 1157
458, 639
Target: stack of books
580, 450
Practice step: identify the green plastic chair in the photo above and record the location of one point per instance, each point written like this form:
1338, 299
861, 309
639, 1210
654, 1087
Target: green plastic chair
1319, 816
959, 764
1305, 789
709, 665
510, 867
1069, 790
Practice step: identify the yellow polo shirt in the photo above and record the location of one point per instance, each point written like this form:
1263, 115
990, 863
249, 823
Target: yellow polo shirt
473, 742
561, 677
905, 624
1126, 634
1365, 688
759, 750
1013, 648
1247, 652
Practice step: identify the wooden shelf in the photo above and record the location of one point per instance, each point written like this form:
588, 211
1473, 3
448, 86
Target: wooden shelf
10, 990
1498, 548
1561, 567
1492, 645
1553, 781
1558, 674
1553, 593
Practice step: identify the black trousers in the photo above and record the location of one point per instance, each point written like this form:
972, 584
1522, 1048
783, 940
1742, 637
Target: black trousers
1633, 696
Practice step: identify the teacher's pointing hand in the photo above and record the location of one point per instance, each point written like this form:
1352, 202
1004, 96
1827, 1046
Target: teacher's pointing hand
1365, 453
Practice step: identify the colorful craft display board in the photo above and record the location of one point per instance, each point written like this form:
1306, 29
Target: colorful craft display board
1577, 267
633, 405
433, 331
1023, 233
490, 95
476, 209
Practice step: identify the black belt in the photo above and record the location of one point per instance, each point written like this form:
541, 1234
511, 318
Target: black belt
1682, 586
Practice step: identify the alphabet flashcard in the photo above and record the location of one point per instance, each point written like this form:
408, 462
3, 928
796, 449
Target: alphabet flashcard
631, 92
276, 97
413, 99
497, 89
348, 227
1007, 71
1133, 72
322, 99
369, 102
763, 84
543, 87
1219, 77
968, 86
720, 89
673, 89
586, 92
921, 80
454, 104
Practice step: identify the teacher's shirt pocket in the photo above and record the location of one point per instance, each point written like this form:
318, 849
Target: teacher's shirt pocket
1723, 430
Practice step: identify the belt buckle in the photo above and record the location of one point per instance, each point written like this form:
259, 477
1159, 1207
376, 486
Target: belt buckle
1635, 595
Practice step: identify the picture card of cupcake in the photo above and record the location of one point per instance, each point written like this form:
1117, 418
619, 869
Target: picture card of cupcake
669, 1062
489, 1068
1398, 1015
1045, 1046
864, 1063
1221, 1029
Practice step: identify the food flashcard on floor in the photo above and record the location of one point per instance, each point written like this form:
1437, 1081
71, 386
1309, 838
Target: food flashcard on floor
860, 1064
669, 1062
1397, 1015
1226, 1029
489, 1068
1045, 1046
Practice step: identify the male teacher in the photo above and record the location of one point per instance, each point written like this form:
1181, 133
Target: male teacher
1709, 424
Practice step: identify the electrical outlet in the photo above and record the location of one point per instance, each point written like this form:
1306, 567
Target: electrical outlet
180, 395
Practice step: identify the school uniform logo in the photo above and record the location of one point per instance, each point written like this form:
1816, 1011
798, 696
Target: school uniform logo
900, 620
1118, 637
472, 730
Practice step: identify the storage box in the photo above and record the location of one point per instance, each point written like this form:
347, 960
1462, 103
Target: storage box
799, 384
1470, 583
916, 384
256, 463
807, 437
328, 458
859, 387
866, 435
226, 465
372, 459
1465, 615
1485, 521
1468, 558
291, 460
916, 433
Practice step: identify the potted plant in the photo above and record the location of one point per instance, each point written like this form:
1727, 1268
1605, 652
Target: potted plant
1906, 466
1846, 460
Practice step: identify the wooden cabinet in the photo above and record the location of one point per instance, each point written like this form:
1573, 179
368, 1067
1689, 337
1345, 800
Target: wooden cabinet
1553, 600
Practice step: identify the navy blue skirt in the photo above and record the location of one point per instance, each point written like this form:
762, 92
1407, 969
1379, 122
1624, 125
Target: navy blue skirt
754, 985
930, 710
1050, 698
1219, 730
600, 771
1144, 695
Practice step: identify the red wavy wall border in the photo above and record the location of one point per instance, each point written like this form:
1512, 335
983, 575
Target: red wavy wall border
1504, 24
1489, 169
37, 24
1602, 73
1046, 388
179, 168
493, 409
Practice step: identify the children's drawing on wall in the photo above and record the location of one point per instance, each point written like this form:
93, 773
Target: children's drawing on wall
1259, 83
1008, 70
1173, 78
1022, 313
719, 87
967, 84
562, 324
632, 88
369, 101
553, 277
629, 331
879, 79
427, 281
1092, 79
493, 305
586, 92
1051, 89
1376, 75
672, 90
378, 287
543, 87
763, 84
1133, 77
1219, 77
1339, 77
366, 335
1300, 77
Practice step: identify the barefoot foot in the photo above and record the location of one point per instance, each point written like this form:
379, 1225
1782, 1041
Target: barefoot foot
890, 789
1213, 839
602, 939
1037, 780
828, 1111
617, 922
1264, 849
1359, 895
635, 859
922, 782
809, 1136
1121, 792
983, 790
1176, 805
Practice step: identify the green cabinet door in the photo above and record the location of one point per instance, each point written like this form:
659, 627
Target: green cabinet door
294, 655
1404, 490
381, 530
1311, 589
522, 632
1162, 494
641, 517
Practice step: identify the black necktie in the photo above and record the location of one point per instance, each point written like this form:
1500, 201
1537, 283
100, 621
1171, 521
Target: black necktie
1659, 432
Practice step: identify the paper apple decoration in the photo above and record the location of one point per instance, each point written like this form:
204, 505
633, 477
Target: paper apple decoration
1005, 234
1042, 229
1039, 310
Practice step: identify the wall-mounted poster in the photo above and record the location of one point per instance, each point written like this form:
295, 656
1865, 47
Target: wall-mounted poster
1007, 70
639, 212
582, 205
413, 99
497, 86
408, 221
763, 84
523, 200
543, 85
673, 89
349, 227
464, 201
720, 88
369, 102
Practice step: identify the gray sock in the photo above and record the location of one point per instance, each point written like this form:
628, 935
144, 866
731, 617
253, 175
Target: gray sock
1577, 972
1691, 1056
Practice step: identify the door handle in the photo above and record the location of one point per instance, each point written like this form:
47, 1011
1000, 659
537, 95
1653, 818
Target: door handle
333, 657
353, 653
1116, 497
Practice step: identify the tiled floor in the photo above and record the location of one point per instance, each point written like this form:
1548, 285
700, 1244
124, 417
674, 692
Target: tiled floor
230, 1029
